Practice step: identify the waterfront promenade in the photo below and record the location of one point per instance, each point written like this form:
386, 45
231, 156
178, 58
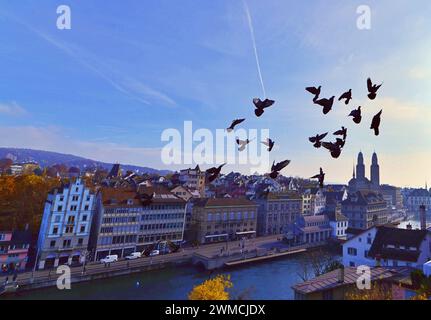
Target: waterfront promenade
97, 270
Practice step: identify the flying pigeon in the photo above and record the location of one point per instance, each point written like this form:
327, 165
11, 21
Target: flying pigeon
234, 123
315, 91
375, 124
320, 176
333, 148
242, 143
317, 139
261, 105
372, 89
326, 104
356, 114
276, 168
342, 132
347, 96
340, 142
214, 172
269, 143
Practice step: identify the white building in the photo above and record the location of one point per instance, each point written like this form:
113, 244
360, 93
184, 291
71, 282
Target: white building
66, 222
388, 246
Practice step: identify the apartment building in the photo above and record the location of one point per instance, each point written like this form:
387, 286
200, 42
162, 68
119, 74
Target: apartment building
66, 223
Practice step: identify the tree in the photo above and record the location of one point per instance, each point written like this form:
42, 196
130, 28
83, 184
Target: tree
212, 289
377, 292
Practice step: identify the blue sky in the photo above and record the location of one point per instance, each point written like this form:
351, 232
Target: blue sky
127, 70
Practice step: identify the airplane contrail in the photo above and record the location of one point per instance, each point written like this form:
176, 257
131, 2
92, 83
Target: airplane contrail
250, 25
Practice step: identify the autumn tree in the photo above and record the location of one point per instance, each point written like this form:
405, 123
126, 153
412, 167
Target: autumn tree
212, 289
377, 292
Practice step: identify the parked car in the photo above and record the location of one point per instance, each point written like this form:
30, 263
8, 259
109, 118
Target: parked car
109, 259
133, 256
154, 253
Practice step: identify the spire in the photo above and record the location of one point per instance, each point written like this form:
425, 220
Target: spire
374, 159
354, 171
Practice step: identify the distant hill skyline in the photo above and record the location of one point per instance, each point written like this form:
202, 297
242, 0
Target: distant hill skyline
49, 158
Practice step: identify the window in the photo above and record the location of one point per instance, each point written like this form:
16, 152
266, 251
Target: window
52, 244
60, 208
55, 230
75, 198
351, 263
82, 229
71, 220
86, 207
369, 240
66, 243
69, 229
84, 217
352, 251
80, 241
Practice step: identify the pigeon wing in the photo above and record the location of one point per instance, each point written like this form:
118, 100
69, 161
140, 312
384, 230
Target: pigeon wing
312, 90
322, 136
369, 85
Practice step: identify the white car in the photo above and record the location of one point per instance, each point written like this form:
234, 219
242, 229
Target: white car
133, 256
109, 259
154, 253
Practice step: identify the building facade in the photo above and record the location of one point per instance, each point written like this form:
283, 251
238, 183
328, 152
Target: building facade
14, 248
66, 223
193, 179
125, 223
365, 209
276, 210
222, 219
308, 230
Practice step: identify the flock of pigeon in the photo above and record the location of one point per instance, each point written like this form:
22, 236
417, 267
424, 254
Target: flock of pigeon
334, 148
327, 104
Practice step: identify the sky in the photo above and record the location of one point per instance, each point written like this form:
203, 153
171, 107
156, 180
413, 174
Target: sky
127, 70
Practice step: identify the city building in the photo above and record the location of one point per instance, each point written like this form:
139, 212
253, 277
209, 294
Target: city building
185, 193
126, 223
222, 219
314, 201
14, 246
417, 197
338, 222
359, 181
388, 246
365, 209
276, 210
308, 230
193, 179
392, 196
66, 223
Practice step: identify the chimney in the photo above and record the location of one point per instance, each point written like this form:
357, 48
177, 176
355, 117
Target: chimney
422, 214
341, 275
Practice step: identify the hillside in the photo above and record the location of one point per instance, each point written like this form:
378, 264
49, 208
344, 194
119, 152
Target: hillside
48, 158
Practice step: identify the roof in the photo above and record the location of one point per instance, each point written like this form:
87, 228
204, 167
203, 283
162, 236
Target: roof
364, 198
224, 202
398, 238
330, 280
419, 193
119, 196
333, 197
288, 195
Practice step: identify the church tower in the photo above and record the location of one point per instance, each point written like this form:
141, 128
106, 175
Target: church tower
375, 171
360, 167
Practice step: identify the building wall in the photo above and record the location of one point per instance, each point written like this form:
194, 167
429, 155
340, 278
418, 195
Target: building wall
362, 243
66, 224
211, 221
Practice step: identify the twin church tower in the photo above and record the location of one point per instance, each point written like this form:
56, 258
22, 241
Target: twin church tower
359, 181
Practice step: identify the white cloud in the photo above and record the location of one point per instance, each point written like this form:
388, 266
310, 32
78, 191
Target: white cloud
12, 109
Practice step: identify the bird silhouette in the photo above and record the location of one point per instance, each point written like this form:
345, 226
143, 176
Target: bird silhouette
315, 91
326, 104
356, 114
342, 132
269, 143
234, 124
340, 142
375, 124
320, 177
261, 105
276, 168
317, 139
333, 148
347, 96
242, 144
214, 172
372, 89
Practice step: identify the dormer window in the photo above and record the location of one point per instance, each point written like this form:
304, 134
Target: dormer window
129, 201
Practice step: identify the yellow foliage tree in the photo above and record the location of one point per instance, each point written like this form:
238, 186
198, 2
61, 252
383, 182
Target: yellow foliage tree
212, 289
377, 292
